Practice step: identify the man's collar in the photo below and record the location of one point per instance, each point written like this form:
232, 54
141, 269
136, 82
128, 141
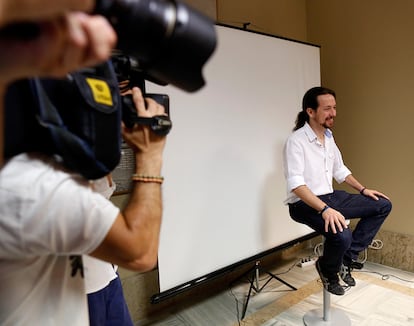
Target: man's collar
328, 133
311, 134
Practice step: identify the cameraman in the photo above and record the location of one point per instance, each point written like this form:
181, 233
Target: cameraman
63, 40
48, 215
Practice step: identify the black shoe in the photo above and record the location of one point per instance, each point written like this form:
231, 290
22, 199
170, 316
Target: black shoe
357, 265
345, 274
331, 284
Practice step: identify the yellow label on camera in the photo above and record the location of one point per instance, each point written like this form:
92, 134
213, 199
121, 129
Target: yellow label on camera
100, 91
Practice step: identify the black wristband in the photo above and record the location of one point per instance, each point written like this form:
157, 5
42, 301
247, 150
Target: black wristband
324, 209
362, 190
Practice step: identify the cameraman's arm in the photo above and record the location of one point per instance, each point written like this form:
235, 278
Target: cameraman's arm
132, 241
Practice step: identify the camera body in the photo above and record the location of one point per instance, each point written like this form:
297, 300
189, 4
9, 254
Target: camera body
125, 71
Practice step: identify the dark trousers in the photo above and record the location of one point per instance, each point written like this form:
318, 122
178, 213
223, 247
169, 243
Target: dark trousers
107, 307
344, 246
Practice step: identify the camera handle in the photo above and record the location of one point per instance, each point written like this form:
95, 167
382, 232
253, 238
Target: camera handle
159, 124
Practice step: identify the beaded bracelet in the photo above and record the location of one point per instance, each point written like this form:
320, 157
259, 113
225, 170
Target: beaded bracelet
147, 178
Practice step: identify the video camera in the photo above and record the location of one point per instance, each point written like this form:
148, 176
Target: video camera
162, 41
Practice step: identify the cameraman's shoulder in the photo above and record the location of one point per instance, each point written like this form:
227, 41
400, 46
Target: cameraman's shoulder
31, 171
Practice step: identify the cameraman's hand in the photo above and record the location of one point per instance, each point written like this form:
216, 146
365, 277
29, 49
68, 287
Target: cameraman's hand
147, 145
64, 44
12, 11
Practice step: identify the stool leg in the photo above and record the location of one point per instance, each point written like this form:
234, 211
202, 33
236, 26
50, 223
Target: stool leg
326, 305
327, 316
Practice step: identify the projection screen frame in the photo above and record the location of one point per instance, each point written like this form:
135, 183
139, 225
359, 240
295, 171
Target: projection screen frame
187, 285
165, 295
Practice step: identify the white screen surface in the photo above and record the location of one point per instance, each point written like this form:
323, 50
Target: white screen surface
224, 185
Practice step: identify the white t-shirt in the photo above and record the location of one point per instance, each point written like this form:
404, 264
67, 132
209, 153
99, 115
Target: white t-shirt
46, 215
98, 273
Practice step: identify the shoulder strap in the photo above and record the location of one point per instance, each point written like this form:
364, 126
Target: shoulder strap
85, 131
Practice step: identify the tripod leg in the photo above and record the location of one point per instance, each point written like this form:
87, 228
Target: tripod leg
254, 277
282, 281
248, 297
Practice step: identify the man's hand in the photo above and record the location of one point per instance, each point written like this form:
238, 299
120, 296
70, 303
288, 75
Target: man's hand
334, 220
374, 194
148, 145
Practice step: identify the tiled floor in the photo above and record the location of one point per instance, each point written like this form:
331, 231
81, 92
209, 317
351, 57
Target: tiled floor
382, 296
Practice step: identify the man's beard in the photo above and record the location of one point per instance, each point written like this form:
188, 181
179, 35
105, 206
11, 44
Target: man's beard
327, 124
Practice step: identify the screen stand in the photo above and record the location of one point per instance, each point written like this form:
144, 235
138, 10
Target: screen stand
253, 277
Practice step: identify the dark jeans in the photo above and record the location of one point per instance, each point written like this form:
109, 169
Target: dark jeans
344, 246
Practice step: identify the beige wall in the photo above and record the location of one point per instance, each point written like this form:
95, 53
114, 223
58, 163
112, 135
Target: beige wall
207, 7
368, 58
285, 18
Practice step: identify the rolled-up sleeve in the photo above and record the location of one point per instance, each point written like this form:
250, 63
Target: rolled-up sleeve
294, 164
340, 171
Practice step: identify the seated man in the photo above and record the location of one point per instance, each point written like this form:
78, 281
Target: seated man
311, 160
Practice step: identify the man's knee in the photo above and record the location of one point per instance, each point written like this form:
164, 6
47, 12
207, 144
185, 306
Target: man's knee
386, 206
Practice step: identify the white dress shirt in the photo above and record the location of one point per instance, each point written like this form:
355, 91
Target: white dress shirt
311, 163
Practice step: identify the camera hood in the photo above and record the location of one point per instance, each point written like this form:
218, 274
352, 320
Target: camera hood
169, 41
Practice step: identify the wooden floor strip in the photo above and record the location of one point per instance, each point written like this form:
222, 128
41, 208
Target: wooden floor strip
282, 304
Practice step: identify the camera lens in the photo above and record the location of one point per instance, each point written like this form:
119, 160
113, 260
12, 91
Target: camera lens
170, 41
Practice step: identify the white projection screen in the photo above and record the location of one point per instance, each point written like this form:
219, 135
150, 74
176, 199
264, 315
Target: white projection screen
224, 185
